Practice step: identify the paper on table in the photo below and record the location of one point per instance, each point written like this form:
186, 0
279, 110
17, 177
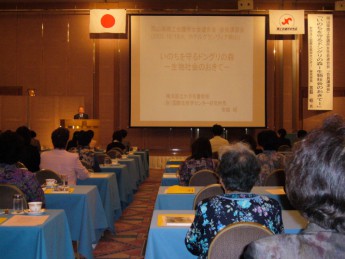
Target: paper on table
169, 176
99, 175
20, 220
175, 189
2, 220
278, 191
172, 166
50, 191
178, 220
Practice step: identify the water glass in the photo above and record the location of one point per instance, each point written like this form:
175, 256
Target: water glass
64, 179
107, 161
18, 203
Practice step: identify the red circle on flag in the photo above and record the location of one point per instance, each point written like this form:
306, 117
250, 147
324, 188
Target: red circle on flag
108, 21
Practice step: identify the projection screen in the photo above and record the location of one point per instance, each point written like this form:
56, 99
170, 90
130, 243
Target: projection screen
195, 71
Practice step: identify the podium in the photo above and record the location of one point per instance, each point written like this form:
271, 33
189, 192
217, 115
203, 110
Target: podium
80, 124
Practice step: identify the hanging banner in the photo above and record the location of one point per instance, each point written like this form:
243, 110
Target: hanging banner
108, 21
320, 57
286, 21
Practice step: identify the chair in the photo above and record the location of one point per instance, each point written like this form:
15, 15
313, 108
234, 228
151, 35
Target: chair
203, 177
284, 148
100, 158
6, 193
44, 174
231, 241
276, 178
114, 153
21, 165
207, 192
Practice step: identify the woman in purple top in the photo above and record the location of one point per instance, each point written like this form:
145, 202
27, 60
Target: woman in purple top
201, 158
10, 146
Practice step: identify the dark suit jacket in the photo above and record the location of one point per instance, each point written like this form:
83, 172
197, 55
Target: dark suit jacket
85, 116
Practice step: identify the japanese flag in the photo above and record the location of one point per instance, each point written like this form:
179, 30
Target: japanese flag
108, 21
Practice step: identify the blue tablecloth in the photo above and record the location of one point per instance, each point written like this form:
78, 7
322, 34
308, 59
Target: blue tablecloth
185, 201
51, 240
124, 182
132, 170
171, 168
108, 190
140, 166
169, 180
85, 214
145, 159
168, 242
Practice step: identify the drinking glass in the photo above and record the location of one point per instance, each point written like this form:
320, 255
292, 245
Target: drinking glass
107, 161
18, 203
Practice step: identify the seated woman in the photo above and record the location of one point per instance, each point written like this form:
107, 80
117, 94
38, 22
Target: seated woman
117, 141
315, 180
238, 170
269, 159
201, 158
10, 146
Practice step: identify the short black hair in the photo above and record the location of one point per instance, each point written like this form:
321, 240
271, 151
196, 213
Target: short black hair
60, 137
201, 148
239, 168
282, 133
301, 134
315, 177
25, 133
117, 135
268, 139
217, 130
11, 145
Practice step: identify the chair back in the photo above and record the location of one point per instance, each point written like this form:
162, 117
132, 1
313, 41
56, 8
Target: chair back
231, 241
284, 148
207, 192
114, 153
21, 165
6, 193
44, 174
100, 158
203, 177
276, 178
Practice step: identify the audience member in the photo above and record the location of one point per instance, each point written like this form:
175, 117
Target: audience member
73, 143
34, 141
10, 146
269, 159
217, 141
315, 181
61, 161
29, 154
201, 158
117, 141
248, 139
81, 113
282, 140
125, 143
86, 154
238, 171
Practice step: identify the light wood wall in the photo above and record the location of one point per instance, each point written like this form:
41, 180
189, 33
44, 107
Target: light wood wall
53, 52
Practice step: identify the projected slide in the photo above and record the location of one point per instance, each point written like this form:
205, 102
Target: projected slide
194, 71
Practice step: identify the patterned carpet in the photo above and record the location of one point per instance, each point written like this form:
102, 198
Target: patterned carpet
129, 242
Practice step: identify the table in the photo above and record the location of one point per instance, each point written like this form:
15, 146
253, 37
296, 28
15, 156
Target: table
140, 166
168, 242
145, 159
108, 190
171, 168
124, 182
185, 201
132, 170
51, 240
85, 214
169, 179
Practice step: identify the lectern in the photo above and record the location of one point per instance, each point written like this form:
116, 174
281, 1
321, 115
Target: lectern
78, 125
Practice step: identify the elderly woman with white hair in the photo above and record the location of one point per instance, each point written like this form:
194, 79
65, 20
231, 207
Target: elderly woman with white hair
238, 170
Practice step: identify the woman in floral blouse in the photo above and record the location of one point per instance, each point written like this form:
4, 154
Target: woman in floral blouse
10, 145
238, 170
201, 158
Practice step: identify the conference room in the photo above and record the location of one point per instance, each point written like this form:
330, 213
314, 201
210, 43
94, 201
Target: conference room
166, 72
